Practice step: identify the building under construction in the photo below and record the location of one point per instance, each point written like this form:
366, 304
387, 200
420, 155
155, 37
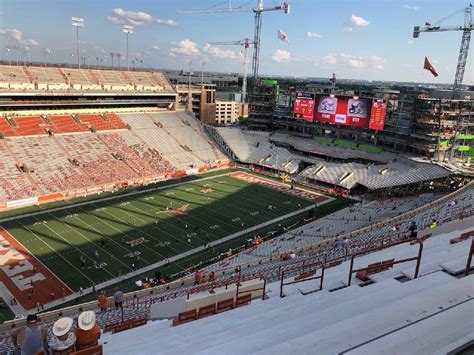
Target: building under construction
426, 123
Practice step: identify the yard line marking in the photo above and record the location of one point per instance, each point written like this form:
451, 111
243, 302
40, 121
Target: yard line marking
123, 233
90, 241
75, 247
54, 250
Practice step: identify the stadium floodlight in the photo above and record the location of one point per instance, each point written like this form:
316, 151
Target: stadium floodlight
77, 22
7, 54
119, 56
127, 29
112, 55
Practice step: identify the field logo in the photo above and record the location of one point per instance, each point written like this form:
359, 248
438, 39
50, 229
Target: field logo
14, 265
139, 241
180, 211
207, 191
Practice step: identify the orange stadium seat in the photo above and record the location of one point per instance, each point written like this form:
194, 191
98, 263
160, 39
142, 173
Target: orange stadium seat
30, 126
6, 129
66, 124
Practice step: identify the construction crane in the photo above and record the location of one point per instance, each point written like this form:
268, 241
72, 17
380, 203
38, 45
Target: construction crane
246, 43
258, 10
466, 37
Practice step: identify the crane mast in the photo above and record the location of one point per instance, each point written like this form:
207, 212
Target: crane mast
258, 10
246, 43
463, 51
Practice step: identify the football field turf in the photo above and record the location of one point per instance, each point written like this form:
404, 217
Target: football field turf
116, 236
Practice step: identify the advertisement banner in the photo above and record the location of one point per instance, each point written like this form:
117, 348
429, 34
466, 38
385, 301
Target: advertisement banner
343, 111
303, 108
377, 114
23, 202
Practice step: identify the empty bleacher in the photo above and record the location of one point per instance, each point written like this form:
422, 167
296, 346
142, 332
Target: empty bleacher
66, 124
176, 137
255, 148
51, 78
338, 319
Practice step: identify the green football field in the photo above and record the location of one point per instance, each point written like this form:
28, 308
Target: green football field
131, 232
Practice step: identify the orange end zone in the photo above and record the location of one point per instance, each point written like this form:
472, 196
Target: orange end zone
25, 276
304, 194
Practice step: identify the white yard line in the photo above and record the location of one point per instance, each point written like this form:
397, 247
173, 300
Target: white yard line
176, 257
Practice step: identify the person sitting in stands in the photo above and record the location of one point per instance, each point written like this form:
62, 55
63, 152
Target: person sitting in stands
434, 224
62, 338
212, 276
229, 253
88, 332
205, 278
30, 339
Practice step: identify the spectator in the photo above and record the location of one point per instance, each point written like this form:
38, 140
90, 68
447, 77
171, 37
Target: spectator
212, 276
62, 338
118, 298
413, 230
30, 339
102, 299
434, 224
197, 277
88, 332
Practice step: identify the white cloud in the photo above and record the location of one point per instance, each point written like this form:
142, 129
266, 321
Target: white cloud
410, 42
17, 36
185, 47
281, 56
330, 59
220, 53
355, 62
155, 47
313, 35
347, 29
122, 17
373, 62
411, 8
359, 21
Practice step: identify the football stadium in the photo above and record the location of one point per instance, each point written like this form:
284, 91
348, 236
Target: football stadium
152, 210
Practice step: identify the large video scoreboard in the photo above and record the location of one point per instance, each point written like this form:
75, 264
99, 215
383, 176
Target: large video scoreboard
303, 108
340, 110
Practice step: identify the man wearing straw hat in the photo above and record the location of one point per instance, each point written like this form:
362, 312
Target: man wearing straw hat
62, 338
88, 332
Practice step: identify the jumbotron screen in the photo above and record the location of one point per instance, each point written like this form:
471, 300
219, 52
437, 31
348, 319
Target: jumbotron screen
377, 114
343, 110
303, 108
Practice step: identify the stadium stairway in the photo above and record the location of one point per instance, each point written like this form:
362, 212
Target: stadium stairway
330, 322
355, 319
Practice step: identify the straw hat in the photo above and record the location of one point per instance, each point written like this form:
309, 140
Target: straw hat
86, 320
62, 326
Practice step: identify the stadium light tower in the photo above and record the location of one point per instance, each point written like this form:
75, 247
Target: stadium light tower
119, 56
112, 55
127, 29
77, 22
7, 54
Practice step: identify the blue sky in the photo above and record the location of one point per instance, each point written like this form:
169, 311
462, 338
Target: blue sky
360, 39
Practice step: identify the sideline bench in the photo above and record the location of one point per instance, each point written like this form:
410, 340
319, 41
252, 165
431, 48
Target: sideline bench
207, 311
243, 300
94, 350
422, 239
463, 237
374, 268
225, 305
185, 317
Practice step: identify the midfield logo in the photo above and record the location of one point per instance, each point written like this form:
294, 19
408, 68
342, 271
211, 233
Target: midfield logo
139, 241
181, 210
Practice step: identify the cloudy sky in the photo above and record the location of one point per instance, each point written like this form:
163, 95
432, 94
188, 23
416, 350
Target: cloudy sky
356, 39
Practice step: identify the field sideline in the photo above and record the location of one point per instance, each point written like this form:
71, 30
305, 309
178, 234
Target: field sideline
118, 236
